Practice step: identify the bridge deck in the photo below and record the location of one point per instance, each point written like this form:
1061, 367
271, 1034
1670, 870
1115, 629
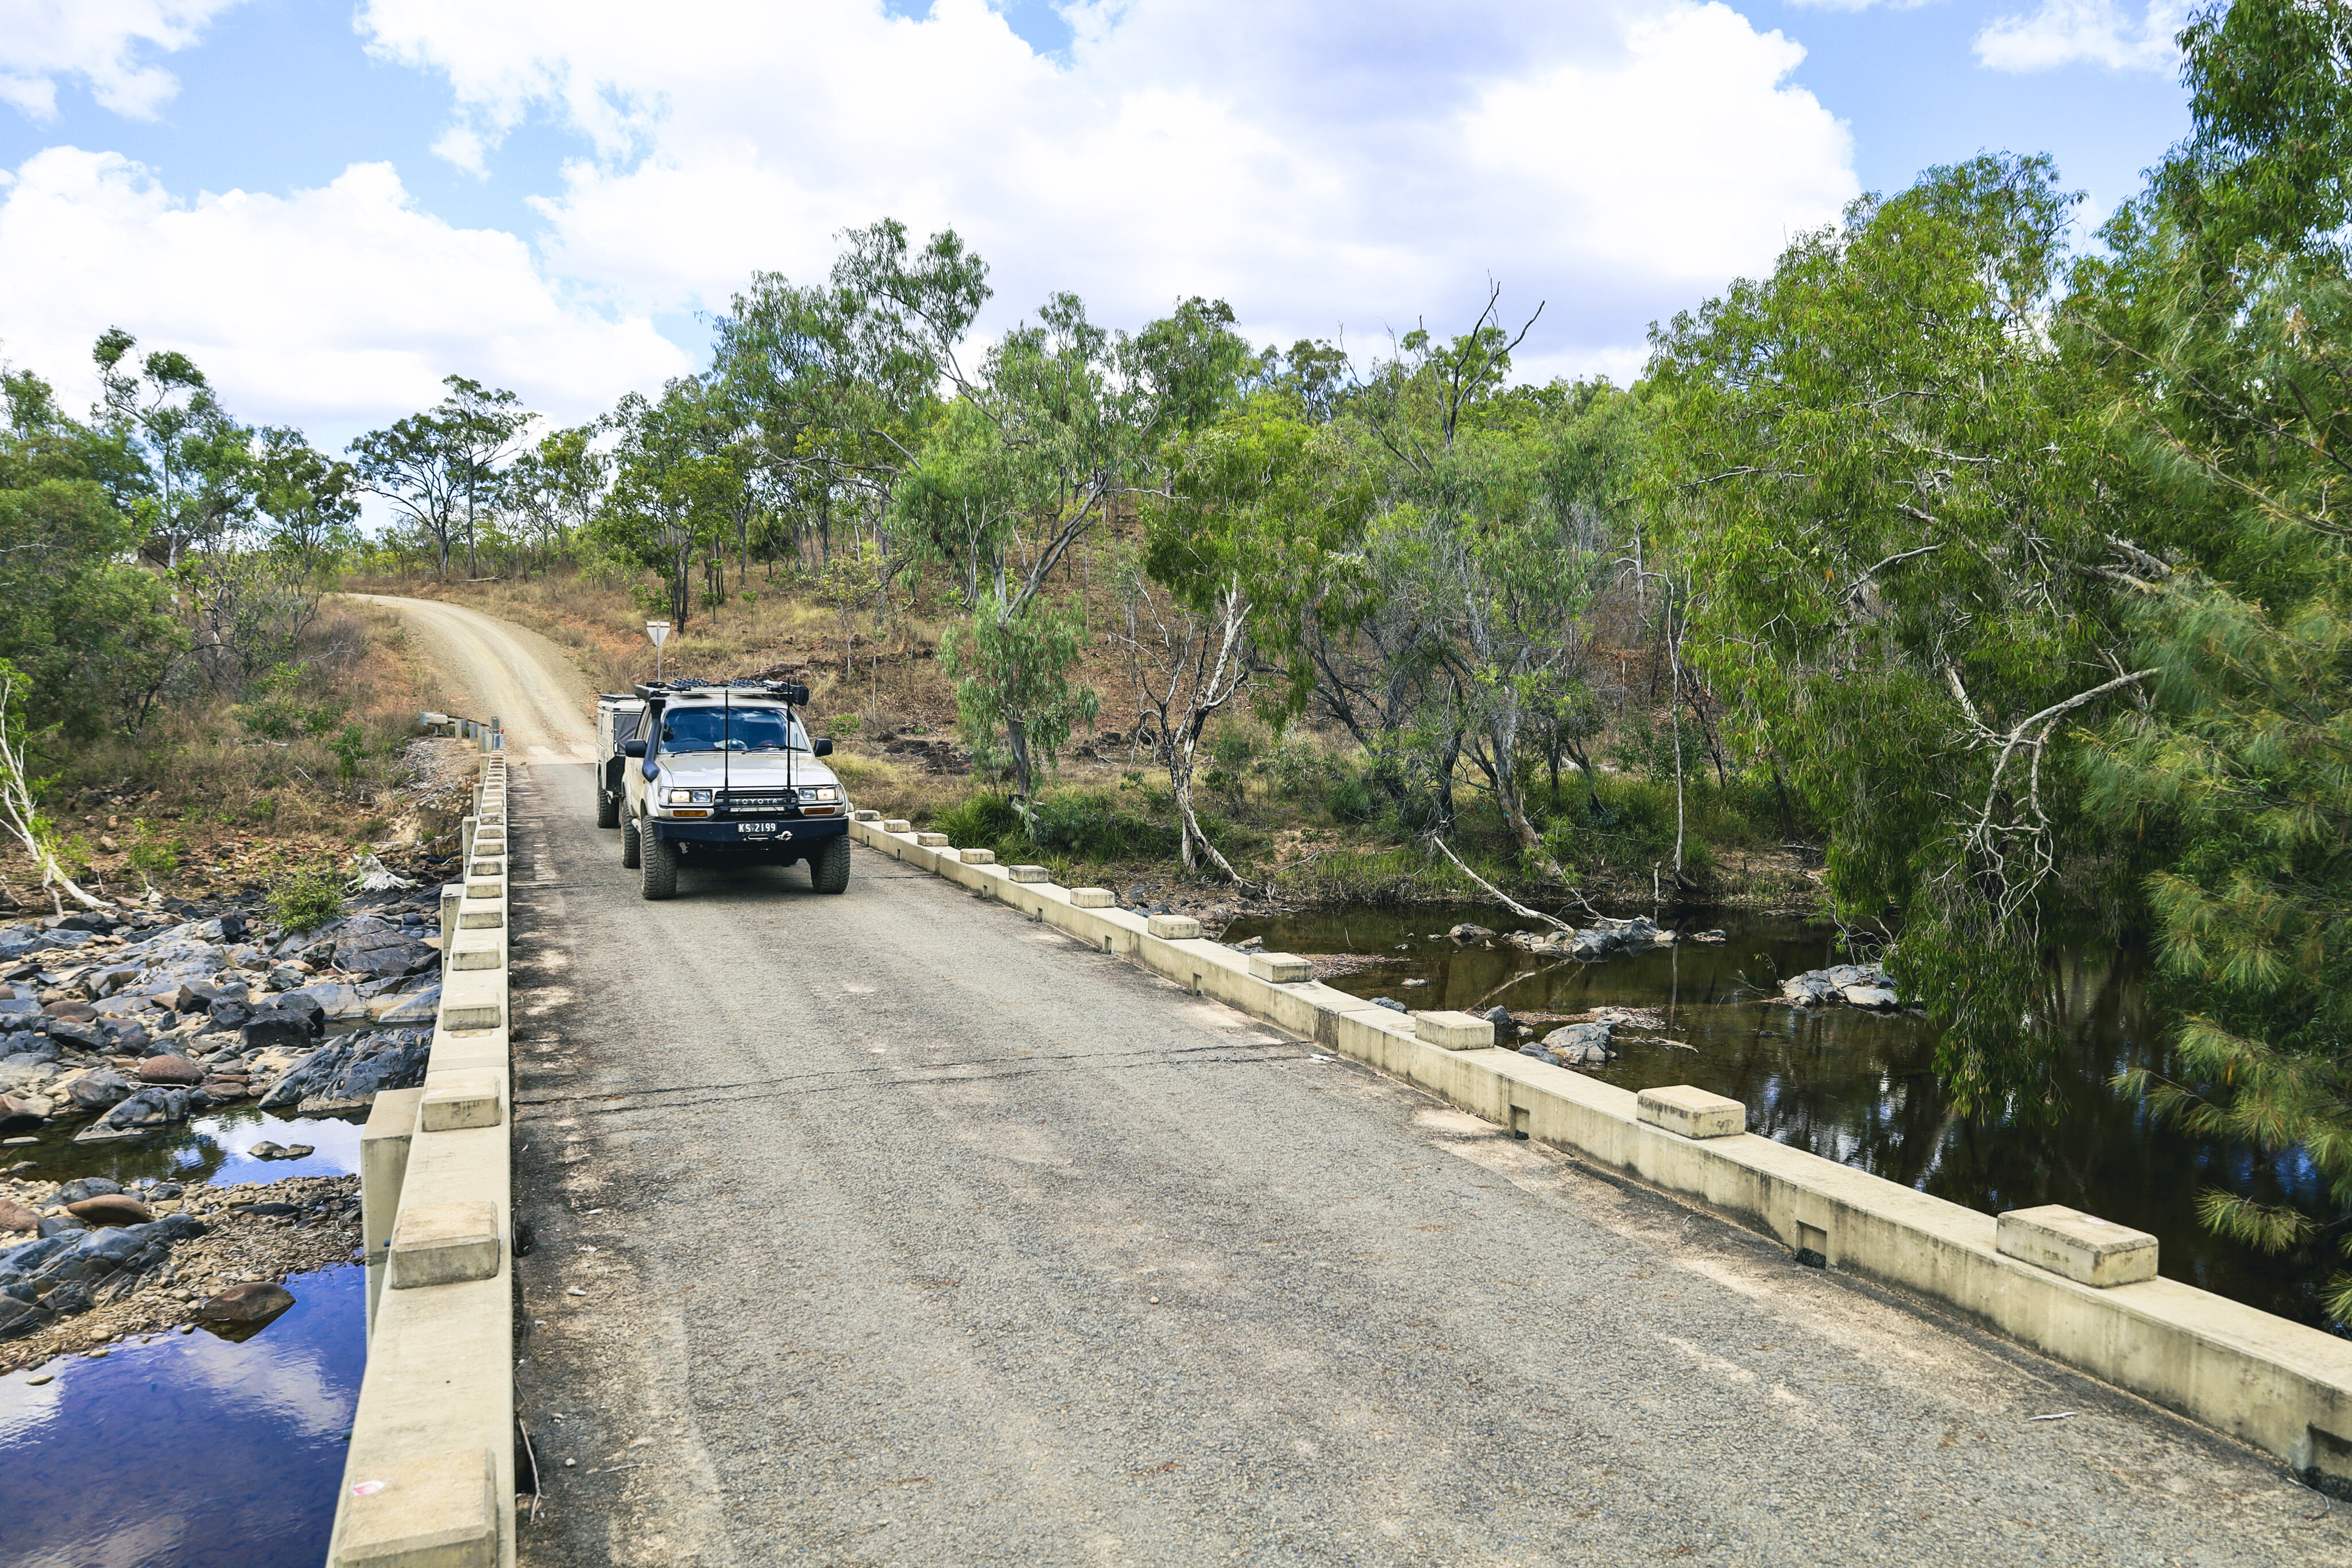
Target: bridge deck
928, 1236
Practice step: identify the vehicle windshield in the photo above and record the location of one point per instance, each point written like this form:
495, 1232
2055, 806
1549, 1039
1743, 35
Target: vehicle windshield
717, 728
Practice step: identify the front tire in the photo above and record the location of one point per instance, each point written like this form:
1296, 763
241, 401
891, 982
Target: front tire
629, 837
829, 869
608, 810
660, 857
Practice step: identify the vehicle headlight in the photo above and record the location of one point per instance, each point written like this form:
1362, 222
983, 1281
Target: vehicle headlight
825, 792
690, 797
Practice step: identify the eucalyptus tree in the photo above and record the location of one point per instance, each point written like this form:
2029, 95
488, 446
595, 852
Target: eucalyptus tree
165, 411
1260, 518
1904, 527
412, 463
481, 426
554, 488
310, 499
673, 485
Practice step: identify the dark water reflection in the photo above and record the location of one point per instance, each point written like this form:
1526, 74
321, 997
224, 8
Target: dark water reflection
1859, 1088
190, 1451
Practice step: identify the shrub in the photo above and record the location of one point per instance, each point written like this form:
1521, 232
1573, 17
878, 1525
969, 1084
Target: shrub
306, 901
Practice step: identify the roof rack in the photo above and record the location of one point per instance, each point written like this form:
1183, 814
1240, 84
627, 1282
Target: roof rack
787, 691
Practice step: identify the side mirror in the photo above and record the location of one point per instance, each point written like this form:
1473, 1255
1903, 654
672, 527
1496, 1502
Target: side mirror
633, 749
824, 748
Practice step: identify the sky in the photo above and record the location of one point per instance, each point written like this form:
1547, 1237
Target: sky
331, 206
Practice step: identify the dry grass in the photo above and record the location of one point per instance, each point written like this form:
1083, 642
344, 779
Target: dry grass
205, 799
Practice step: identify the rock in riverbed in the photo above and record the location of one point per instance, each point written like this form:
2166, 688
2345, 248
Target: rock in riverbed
1857, 985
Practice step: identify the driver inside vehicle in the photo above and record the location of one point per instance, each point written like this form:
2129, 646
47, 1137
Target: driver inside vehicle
731, 729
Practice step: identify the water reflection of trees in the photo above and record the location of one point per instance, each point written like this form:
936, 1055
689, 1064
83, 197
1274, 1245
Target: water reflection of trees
1861, 1089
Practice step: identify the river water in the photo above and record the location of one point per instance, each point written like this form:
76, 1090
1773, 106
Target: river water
1860, 1087
190, 1450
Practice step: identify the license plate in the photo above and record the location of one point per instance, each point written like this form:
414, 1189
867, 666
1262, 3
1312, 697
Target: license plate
750, 828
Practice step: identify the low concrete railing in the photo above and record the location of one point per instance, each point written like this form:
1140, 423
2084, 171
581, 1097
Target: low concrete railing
2279, 1386
430, 1478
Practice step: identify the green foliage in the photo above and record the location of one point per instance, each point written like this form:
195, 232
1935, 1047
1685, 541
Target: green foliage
154, 856
306, 901
1897, 497
1012, 673
349, 748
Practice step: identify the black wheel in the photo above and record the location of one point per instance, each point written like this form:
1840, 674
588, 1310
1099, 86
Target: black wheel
629, 843
608, 810
829, 868
660, 856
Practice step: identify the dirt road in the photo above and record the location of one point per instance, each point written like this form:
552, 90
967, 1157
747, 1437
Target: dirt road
493, 669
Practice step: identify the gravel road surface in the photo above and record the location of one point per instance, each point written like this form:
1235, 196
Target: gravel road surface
492, 668
894, 1227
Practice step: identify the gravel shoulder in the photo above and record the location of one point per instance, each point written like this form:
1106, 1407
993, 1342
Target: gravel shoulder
894, 1227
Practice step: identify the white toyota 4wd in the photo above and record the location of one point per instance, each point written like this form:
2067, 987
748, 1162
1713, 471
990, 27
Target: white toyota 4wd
717, 774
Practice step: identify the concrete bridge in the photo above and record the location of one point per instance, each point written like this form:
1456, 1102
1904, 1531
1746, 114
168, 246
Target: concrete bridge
904, 1227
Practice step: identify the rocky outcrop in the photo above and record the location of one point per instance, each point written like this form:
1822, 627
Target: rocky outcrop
1594, 943
1855, 985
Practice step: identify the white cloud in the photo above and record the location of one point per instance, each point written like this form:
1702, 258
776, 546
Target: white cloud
2093, 31
335, 309
99, 41
1319, 164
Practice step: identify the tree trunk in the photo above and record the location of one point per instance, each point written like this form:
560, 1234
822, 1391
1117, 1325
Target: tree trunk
1016, 737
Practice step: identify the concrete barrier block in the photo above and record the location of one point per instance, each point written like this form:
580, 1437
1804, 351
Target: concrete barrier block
1093, 898
1454, 1032
976, 857
443, 1243
457, 1100
486, 890
441, 1511
2077, 1246
1692, 1113
1289, 968
1028, 873
1173, 927
481, 919
476, 953
471, 1015
931, 841
898, 825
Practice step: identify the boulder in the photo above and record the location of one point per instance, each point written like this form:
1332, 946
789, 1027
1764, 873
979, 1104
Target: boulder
1575, 1045
1390, 1003
54, 1225
1506, 1028
128, 1040
248, 1305
306, 1007
385, 952
1466, 931
98, 1089
75, 1034
176, 1070
150, 1108
14, 1217
18, 1319
73, 1192
419, 1007
279, 1029
266, 1150
1879, 998
230, 1012
349, 1073
111, 1208
333, 999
